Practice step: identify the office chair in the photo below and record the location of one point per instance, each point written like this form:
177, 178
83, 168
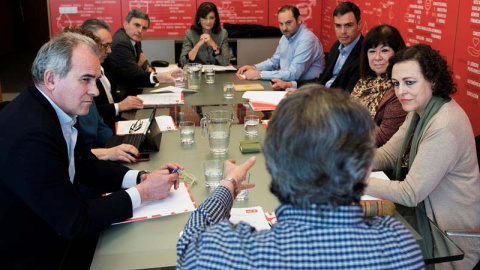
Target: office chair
469, 233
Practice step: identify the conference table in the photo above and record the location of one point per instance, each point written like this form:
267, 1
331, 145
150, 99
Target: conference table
151, 243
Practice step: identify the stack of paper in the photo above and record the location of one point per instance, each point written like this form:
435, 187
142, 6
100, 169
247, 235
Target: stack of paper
264, 100
221, 68
171, 89
178, 201
162, 99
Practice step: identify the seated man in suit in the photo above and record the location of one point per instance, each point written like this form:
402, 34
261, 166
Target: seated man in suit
43, 161
319, 158
127, 51
343, 63
108, 101
299, 54
91, 125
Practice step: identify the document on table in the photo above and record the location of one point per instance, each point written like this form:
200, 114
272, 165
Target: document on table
165, 122
242, 87
221, 68
379, 175
170, 68
136, 126
251, 215
264, 100
171, 89
178, 201
161, 99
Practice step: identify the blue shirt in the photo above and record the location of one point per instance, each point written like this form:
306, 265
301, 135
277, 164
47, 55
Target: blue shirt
70, 133
316, 238
298, 57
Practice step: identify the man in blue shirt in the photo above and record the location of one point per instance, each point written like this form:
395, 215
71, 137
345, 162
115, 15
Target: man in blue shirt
319, 157
299, 54
343, 63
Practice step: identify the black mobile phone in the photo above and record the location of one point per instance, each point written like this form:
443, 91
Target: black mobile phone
143, 157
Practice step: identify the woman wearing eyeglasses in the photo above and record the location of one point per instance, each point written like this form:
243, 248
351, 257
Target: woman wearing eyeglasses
205, 42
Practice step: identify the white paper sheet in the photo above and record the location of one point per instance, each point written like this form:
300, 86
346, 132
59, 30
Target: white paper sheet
251, 215
165, 122
179, 201
123, 127
162, 99
271, 97
379, 175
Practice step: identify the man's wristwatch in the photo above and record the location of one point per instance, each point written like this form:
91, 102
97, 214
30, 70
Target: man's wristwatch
235, 185
155, 79
139, 175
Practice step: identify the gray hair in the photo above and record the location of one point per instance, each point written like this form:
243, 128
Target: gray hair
319, 147
57, 53
136, 13
95, 24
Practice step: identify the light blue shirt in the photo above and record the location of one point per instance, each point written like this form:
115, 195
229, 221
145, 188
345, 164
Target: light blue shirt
70, 134
298, 57
342, 57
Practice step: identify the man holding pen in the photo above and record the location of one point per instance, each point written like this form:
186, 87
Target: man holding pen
43, 161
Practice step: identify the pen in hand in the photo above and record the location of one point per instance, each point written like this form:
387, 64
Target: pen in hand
177, 183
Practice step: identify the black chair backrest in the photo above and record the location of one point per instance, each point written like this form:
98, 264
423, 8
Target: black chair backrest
3, 104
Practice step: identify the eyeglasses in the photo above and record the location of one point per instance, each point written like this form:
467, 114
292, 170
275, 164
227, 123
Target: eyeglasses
106, 45
136, 126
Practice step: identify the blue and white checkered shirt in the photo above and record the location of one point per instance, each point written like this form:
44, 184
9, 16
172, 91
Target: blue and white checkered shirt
317, 238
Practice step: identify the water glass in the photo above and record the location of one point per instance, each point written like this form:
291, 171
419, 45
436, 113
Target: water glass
193, 72
213, 173
243, 195
251, 125
187, 132
228, 90
219, 140
209, 74
179, 79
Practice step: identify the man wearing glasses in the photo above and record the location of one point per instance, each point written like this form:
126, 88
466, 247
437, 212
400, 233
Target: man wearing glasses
108, 101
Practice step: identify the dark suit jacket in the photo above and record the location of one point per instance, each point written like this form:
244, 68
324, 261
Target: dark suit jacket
348, 75
41, 211
124, 57
105, 109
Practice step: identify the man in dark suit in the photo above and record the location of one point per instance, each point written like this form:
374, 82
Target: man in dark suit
127, 51
343, 63
42, 162
109, 103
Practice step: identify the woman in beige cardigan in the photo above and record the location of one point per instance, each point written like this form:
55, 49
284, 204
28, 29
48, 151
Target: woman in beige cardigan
433, 153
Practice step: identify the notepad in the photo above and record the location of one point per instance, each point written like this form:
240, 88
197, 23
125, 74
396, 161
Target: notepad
264, 100
161, 99
178, 201
248, 87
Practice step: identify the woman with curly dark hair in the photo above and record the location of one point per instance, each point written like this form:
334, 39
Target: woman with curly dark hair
433, 153
206, 42
375, 88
